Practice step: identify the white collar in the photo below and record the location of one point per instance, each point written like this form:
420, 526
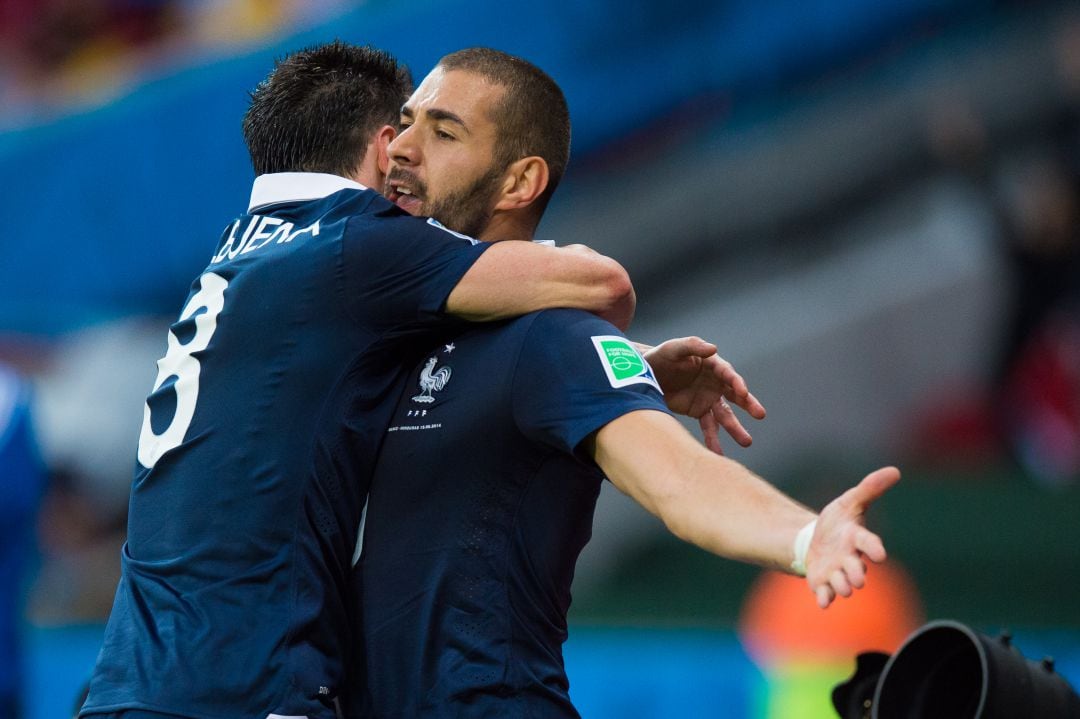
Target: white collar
296, 186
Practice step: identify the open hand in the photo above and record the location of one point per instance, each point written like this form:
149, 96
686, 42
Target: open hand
836, 559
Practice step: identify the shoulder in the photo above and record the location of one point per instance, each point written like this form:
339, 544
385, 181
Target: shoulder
383, 220
568, 324
544, 326
565, 337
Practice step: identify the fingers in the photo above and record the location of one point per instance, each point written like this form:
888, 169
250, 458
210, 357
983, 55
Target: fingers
855, 569
841, 579
839, 583
725, 416
737, 392
701, 348
710, 432
694, 375
737, 389
872, 487
870, 545
753, 407
688, 347
836, 586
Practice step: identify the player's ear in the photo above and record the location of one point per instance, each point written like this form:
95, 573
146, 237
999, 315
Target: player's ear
383, 138
524, 181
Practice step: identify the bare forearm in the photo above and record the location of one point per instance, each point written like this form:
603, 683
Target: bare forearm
732, 512
708, 500
514, 278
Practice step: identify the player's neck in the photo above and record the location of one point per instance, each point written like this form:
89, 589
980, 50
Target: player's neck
372, 180
504, 226
368, 174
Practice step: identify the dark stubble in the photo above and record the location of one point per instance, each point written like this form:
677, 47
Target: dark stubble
469, 209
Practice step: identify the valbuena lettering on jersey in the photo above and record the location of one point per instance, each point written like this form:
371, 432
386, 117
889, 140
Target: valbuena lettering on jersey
259, 231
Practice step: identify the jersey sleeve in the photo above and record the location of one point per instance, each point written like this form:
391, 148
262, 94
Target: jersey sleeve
399, 270
575, 373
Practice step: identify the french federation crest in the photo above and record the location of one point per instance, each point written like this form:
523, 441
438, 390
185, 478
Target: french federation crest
431, 381
622, 363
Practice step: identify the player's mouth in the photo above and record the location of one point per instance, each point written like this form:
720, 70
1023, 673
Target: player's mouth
405, 191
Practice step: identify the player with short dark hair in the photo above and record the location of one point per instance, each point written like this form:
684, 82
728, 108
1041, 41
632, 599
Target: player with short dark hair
231, 602
533, 116
320, 108
488, 476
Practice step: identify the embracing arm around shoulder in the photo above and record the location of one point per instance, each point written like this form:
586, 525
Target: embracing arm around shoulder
724, 508
514, 278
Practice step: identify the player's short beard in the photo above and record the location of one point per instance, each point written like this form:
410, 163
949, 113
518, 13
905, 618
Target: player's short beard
469, 209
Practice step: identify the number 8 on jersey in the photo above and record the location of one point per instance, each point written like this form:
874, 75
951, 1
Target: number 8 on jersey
179, 363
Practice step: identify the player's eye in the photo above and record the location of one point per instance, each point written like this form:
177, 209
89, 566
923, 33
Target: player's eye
444, 135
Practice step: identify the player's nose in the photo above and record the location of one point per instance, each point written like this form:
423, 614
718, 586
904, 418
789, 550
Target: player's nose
403, 149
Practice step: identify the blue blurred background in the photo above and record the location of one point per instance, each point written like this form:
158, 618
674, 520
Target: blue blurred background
873, 208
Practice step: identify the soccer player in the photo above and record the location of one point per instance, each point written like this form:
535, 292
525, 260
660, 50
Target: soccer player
487, 479
231, 599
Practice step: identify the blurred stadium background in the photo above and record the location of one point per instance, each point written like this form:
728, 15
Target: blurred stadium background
873, 208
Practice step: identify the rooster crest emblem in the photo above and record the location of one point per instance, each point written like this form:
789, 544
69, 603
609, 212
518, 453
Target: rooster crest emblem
431, 381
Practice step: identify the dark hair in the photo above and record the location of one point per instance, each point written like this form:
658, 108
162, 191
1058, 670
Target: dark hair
531, 119
319, 108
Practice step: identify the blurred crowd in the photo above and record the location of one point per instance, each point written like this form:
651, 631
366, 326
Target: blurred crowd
56, 54
1028, 406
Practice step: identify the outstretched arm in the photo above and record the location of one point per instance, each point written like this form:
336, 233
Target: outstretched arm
513, 278
722, 507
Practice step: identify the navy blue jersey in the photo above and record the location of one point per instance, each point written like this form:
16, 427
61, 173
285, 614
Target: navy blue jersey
480, 505
231, 598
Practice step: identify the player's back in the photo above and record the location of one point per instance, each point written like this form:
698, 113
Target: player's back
232, 576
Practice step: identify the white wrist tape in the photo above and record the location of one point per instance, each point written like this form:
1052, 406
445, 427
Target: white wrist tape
801, 547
